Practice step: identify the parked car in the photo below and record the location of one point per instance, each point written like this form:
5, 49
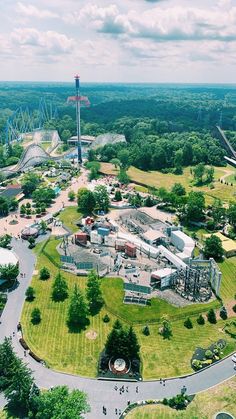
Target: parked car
98, 251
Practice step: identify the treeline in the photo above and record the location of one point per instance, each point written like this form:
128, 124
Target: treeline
163, 151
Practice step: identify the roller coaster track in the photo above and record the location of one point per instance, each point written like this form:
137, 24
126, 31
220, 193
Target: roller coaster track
225, 142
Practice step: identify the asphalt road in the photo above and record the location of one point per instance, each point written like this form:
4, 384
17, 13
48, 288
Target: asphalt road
100, 393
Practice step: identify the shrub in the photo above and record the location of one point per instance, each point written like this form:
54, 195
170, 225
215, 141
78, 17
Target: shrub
44, 274
165, 402
207, 362
188, 323
30, 294
201, 320
197, 364
211, 316
209, 354
106, 318
36, 316
223, 313
234, 308
146, 331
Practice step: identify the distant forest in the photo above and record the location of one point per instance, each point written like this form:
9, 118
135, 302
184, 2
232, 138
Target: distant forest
159, 121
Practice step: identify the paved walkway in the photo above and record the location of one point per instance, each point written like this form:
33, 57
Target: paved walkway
100, 393
60, 201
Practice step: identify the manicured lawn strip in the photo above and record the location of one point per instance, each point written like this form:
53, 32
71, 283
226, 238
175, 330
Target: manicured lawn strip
167, 180
168, 358
204, 406
113, 292
50, 249
69, 216
51, 339
228, 286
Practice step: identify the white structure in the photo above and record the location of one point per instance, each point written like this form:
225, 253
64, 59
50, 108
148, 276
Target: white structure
183, 243
171, 257
95, 238
162, 277
153, 236
8, 256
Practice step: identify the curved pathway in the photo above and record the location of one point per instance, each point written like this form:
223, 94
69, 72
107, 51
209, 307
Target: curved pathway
100, 393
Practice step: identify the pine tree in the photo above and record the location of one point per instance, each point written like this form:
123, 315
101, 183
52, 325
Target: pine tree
78, 310
201, 320
7, 360
59, 288
188, 323
134, 346
18, 390
211, 316
93, 293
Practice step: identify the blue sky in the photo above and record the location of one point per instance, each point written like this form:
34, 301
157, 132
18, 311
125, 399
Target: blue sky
118, 41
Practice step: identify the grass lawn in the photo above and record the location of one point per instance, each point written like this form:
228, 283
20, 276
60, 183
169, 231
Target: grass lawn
69, 216
76, 353
113, 292
228, 286
51, 339
158, 179
204, 406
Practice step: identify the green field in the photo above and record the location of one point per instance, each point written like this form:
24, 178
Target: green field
113, 292
157, 179
77, 353
228, 286
69, 216
204, 406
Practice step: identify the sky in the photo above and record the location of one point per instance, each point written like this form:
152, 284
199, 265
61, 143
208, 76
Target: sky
156, 41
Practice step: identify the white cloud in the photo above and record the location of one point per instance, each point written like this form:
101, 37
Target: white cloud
47, 43
28, 10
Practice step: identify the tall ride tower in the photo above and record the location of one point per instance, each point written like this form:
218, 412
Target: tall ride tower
80, 101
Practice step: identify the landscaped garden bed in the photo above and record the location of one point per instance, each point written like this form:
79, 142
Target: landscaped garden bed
202, 358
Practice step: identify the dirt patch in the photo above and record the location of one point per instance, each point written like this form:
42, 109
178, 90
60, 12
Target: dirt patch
91, 335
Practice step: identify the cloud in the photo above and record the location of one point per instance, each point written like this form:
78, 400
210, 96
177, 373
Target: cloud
169, 24
46, 43
31, 11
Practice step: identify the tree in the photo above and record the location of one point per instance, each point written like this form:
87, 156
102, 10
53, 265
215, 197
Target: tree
194, 209
31, 241
134, 346
198, 172
7, 360
86, 201
178, 189
123, 177
178, 162
218, 211
18, 389
210, 171
166, 329
223, 313
4, 206
211, 316
43, 196
35, 316
101, 198
124, 158
9, 272
118, 195
59, 402
5, 241
115, 162
44, 273
231, 213
59, 288
43, 226
188, 323
213, 248
200, 319
29, 183
146, 331
22, 210
71, 195
78, 310
118, 342
93, 293
30, 294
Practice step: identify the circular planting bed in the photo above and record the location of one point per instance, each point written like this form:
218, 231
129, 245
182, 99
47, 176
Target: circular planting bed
119, 366
223, 415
